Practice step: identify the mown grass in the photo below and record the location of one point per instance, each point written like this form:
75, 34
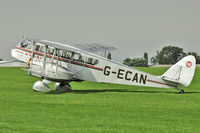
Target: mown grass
96, 107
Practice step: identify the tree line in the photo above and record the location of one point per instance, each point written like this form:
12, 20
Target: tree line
168, 55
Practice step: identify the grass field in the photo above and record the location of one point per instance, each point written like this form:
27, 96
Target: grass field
96, 107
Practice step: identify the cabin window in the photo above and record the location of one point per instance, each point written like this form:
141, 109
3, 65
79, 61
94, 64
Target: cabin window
65, 54
95, 61
82, 58
76, 57
89, 61
68, 54
92, 61
39, 48
50, 50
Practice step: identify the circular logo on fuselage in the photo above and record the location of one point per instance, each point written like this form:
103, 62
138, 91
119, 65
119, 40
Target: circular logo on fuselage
188, 64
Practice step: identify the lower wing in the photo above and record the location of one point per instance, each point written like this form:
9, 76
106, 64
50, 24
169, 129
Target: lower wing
12, 63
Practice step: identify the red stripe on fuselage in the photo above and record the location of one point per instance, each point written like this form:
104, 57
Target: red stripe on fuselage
160, 82
62, 59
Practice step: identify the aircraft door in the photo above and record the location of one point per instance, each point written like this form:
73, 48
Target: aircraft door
77, 63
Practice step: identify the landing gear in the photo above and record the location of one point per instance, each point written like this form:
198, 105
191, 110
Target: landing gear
181, 91
63, 87
41, 86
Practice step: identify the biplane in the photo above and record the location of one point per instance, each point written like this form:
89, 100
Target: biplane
64, 63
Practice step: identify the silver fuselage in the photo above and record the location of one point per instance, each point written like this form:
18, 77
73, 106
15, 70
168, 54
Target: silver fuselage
107, 71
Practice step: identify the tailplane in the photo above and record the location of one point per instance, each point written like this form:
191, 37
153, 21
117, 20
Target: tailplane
182, 72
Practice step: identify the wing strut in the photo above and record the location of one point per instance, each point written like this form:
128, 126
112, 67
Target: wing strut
45, 58
54, 53
32, 56
58, 56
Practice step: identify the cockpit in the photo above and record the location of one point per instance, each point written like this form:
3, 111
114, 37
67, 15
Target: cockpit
26, 44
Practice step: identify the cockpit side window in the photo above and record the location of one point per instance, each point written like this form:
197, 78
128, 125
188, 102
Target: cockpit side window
25, 44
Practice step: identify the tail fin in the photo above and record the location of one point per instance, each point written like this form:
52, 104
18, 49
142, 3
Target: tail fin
182, 72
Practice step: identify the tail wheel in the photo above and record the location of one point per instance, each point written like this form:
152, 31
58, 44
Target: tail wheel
181, 91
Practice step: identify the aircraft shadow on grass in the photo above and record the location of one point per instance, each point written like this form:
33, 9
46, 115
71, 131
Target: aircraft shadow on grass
112, 90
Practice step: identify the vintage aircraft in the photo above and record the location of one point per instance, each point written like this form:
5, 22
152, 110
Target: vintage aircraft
61, 63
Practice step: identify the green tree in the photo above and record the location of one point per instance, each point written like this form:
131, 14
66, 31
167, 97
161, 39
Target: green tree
169, 55
154, 61
146, 58
127, 61
109, 56
139, 62
1, 59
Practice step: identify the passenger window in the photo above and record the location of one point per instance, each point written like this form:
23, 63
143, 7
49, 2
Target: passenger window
62, 53
92, 61
89, 61
39, 48
76, 56
95, 62
66, 54
82, 59
50, 51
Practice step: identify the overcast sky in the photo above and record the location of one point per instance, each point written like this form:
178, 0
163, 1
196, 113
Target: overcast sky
133, 26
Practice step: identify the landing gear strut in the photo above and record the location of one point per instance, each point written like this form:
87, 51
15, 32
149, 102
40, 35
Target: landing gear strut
63, 87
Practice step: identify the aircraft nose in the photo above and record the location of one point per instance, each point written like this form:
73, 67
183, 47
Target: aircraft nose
12, 52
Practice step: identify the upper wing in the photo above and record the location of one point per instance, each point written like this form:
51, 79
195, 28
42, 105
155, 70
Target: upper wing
12, 63
95, 48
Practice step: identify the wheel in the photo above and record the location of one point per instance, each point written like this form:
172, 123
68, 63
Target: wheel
64, 87
181, 91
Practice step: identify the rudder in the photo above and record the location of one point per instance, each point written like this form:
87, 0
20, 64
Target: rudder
182, 72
